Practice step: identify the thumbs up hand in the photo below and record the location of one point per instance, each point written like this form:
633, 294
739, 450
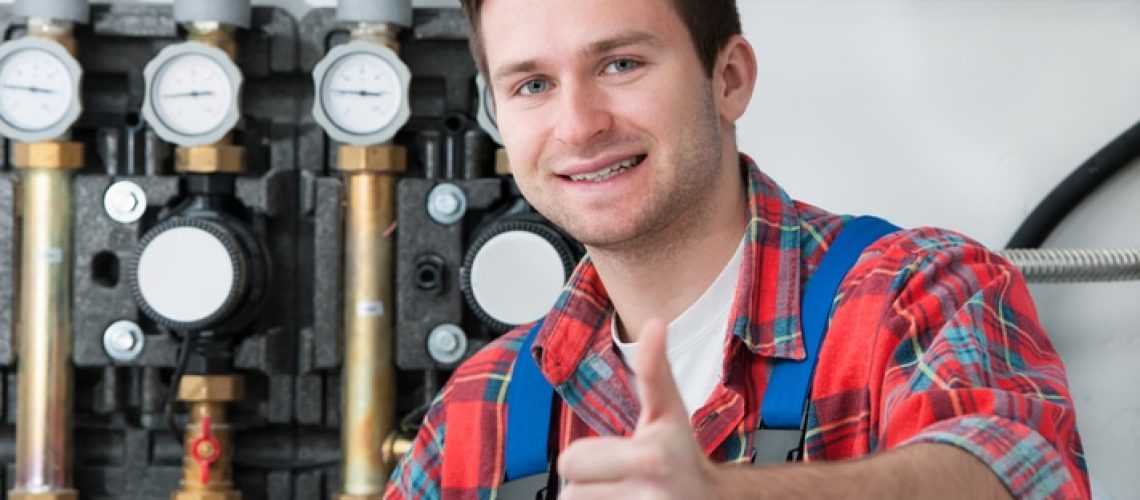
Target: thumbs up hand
661, 460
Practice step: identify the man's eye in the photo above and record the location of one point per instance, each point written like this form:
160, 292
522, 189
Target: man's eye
621, 66
532, 87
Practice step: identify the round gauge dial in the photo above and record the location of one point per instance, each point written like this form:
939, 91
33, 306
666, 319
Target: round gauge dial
362, 91
39, 84
192, 94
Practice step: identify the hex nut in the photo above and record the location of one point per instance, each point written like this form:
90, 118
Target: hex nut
210, 159
382, 158
48, 154
211, 388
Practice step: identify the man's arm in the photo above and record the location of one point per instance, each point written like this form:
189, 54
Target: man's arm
662, 459
923, 470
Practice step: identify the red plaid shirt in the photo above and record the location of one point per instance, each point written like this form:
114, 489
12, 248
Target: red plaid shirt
933, 339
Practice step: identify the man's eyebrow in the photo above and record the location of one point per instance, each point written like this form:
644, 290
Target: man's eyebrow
598, 47
623, 40
527, 66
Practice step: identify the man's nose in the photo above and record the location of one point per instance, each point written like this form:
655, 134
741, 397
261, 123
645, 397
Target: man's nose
585, 114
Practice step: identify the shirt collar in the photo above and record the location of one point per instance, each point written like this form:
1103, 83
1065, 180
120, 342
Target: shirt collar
766, 309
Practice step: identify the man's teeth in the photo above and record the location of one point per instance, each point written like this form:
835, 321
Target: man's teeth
609, 171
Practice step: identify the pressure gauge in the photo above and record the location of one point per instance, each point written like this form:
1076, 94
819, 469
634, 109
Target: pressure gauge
486, 113
39, 90
362, 93
192, 92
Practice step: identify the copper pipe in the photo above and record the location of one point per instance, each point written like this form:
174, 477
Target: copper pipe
43, 331
369, 373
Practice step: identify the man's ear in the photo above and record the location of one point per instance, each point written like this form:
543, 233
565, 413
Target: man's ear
734, 77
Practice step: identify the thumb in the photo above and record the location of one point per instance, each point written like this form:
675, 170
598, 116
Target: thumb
660, 398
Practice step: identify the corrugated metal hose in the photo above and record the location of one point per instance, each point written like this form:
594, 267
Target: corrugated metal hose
1053, 265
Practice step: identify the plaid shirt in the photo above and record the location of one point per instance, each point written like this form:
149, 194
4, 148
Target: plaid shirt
932, 339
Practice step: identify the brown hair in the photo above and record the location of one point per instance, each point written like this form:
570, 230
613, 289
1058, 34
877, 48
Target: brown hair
710, 22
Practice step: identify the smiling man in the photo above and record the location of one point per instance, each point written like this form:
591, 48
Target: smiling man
935, 378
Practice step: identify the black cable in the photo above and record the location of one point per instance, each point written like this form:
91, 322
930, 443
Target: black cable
1075, 188
188, 339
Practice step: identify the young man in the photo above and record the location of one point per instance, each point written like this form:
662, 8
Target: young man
618, 120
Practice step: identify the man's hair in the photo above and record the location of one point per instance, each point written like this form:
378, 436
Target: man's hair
710, 22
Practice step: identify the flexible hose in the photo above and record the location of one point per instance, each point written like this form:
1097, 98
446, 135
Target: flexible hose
1076, 187
1075, 265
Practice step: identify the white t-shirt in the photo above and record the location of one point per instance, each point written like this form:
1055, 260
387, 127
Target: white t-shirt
696, 338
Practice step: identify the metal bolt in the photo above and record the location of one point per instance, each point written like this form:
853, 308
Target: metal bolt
124, 202
446, 204
447, 343
123, 341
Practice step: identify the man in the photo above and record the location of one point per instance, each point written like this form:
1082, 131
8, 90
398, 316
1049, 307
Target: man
618, 120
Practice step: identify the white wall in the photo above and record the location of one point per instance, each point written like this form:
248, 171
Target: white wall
964, 114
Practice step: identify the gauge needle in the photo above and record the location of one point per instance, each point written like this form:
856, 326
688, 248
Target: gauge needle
192, 93
29, 88
363, 93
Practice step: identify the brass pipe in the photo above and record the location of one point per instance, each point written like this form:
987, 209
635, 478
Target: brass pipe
43, 320
369, 372
43, 331
207, 443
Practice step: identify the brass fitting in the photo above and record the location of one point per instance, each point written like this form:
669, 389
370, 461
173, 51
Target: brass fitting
52, 495
55, 30
380, 158
213, 34
206, 471
64, 155
394, 448
209, 159
377, 33
502, 163
211, 388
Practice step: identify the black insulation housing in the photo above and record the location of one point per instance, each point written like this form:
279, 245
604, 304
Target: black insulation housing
287, 429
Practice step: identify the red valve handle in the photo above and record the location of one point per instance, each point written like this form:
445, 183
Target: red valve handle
206, 449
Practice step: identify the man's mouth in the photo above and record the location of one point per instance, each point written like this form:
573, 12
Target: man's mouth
610, 171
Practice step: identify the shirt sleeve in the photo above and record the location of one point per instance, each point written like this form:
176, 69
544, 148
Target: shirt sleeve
969, 365
418, 474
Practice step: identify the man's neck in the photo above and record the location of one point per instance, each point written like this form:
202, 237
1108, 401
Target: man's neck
661, 278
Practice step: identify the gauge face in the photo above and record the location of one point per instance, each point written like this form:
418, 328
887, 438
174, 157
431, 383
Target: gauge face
192, 94
36, 89
362, 93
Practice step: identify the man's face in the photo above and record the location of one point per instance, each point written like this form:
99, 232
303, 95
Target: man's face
607, 116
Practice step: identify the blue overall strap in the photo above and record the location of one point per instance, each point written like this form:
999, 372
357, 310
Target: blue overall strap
528, 414
785, 399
